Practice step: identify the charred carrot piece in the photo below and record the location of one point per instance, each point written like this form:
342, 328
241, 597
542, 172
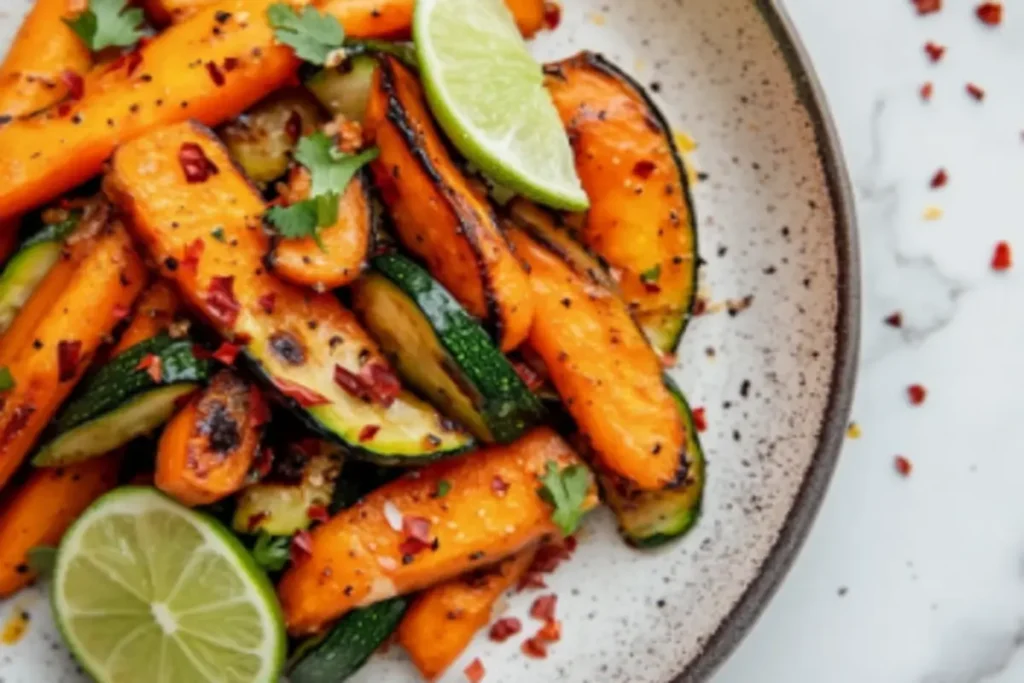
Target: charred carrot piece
404, 537
608, 376
442, 621
69, 317
529, 15
154, 314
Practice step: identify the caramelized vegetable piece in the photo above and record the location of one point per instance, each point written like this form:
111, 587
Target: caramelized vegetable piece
341, 254
405, 536
641, 219
164, 12
606, 373
207, 449
438, 215
56, 334
443, 620
32, 75
154, 315
309, 346
41, 509
206, 68
529, 15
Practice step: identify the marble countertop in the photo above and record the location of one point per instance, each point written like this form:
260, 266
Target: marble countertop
919, 579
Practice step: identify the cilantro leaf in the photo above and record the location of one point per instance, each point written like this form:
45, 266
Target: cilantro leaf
651, 275
6, 378
271, 552
331, 169
108, 23
566, 490
312, 35
443, 487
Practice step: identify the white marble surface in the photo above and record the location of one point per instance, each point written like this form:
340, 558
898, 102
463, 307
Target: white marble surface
931, 567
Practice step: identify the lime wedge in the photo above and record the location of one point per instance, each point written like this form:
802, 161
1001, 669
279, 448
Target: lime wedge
147, 590
488, 94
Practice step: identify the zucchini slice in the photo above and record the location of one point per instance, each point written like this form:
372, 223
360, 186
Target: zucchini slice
121, 401
442, 352
29, 265
345, 90
652, 519
641, 219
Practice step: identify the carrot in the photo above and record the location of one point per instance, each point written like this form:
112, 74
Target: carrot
443, 620
207, 449
44, 48
70, 323
405, 537
529, 15
438, 215
339, 257
164, 12
40, 511
608, 376
154, 314
174, 81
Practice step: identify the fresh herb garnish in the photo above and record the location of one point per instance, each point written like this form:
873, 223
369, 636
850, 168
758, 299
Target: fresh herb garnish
651, 275
566, 490
312, 35
443, 487
218, 233
108, 23
271, 552
6, 379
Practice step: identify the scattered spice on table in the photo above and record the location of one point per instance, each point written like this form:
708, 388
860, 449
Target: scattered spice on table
990, 13
926, 91
1002, 258
927, 6
916, 394
976, 91
940, 179
934, 51
903, 466
894, 319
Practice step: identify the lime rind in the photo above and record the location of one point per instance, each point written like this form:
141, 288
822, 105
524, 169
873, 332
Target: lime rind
113, 610
487, 92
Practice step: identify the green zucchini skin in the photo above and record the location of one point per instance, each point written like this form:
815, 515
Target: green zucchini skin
29, 265
445, 354
653, 519
345, 90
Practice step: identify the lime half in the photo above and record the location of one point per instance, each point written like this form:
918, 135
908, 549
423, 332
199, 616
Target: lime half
147, 590
488, 94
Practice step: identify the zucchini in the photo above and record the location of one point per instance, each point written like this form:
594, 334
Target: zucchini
29, 265
441, 351
121, 401
345, 90
652, 519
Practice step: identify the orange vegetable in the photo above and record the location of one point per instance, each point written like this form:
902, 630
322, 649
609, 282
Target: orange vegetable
403, 537
174, 82
344, 245
442, 621
154, 314
41, 509
437, 213
207, 448
529, 15
609, 378
640, 219
45, 47
54, 337
163, 12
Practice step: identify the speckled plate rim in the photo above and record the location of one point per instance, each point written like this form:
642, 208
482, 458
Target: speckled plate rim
745, 613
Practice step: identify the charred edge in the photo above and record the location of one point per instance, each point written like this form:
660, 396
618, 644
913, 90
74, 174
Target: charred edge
209, 136
596, 272
220, 427
398, 117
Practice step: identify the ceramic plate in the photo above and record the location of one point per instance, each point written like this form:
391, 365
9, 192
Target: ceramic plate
774, 379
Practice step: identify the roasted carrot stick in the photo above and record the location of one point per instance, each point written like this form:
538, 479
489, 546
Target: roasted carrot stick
605, 371
405, 537
154, 314
529, 15
443, 620
40, 511
31, 74
70, 322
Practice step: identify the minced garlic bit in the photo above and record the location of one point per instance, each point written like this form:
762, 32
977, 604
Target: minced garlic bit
932, 213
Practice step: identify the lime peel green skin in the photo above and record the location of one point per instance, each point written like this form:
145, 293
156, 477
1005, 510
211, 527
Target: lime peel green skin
506, 406
242, 560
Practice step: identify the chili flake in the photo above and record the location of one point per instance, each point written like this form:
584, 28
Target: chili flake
68, 355
226, 353
894, 319
916, 394
222, 305
368, 432
926, 91
940, 179
499, 486
543, 608
975, 91
264, 461
531, 580
305, 397
381, 383
193, 252
301, 547
475, 672
318, 513
990, 13
121, 312
534, 648
927, 6
74, 82
551, 631
505, 628
934, 51
153, 367
903, 466
266, 302
643, 169
700, 420
1002, 258
197, 166
552, 15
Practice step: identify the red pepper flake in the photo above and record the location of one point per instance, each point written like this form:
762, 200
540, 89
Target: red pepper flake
543, 608
193, 252
318, 513
548, 558
916, 394
221, 303
230, 63
153, 366
551, 631
226, 353
307, 398
381, 382
121, 312
530, 377
255, 519
475, 672
552, 15
927, 6
990, 13
197, 166
258, 408
134, 60
975, 91
531, 580
293, 126
504, 629
570, 544
903, 466
934, 51
894, 320
368, 432
700, 420
263, 463
939, 179
216, 75
534, 648
499, 486
926, 91
643, 169
700, 306
74, 83
266, 302
68, 355
417, 528
302, 546
1002, 258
